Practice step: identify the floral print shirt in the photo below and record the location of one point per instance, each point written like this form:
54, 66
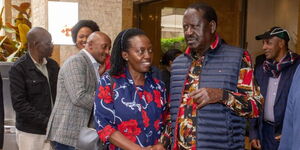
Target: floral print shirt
135, 111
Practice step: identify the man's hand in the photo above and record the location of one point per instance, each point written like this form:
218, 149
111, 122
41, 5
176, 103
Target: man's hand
278, 137
255, 143
205, 96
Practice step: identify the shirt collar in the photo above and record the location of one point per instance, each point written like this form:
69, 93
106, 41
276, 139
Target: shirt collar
35, 62
93, 60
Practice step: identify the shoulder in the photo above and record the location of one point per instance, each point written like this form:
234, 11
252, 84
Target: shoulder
52, 62
232, 48
22, 64
24, 59
181, 58
75, 61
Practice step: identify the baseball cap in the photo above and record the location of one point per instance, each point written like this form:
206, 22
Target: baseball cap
275, 31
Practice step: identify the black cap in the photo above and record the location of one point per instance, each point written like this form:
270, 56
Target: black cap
275, 31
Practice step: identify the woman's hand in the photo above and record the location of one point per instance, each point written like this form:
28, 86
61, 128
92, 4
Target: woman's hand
158, 146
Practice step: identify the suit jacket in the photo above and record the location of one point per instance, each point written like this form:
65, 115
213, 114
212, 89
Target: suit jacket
76, 88
285, 82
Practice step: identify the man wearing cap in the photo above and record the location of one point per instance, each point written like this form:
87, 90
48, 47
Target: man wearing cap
274, 77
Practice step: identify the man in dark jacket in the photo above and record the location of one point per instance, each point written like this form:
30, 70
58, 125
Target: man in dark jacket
274, 77
212, 87
33, 80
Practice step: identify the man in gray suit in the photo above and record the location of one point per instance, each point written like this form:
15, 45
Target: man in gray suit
77, 83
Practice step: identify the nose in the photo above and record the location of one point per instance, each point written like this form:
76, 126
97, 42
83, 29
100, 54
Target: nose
189, 31
264, 47
107, 51
147, 54
84, 38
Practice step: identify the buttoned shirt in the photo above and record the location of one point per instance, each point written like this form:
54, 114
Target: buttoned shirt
270, 98
43, 68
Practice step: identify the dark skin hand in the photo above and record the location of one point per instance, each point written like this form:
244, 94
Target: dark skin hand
255, 143
205, 96
158, 147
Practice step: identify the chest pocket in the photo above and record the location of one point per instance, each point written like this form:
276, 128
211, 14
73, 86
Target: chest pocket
35, 87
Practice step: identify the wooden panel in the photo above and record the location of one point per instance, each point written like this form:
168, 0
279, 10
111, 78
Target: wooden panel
56, 53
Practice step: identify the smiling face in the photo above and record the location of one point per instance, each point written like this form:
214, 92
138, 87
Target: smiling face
273, 48
139, 54
82, 36
198, 32
99, 45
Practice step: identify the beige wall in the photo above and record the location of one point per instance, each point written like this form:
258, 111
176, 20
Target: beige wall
259, 19
287, 12
107, 14
264, 14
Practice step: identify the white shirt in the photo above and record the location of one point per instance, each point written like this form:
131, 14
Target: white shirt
270, 98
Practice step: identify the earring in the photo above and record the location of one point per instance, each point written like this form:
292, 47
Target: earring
126, 59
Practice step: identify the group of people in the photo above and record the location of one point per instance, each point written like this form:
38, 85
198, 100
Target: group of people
201, 101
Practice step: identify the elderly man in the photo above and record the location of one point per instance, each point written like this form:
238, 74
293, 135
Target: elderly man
212, 87
77, 83
274, 77
33, 79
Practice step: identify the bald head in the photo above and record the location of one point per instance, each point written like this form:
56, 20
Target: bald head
96, 36
98, 45
39, 42
35, 34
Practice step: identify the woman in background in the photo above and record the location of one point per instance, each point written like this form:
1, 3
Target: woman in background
80, 33
167, 60
130, 103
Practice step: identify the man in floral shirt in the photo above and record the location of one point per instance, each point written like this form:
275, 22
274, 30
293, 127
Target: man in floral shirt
212, 88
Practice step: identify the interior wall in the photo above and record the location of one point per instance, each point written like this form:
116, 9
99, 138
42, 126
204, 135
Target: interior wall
106, 13
259, 19
288, 19
262, 15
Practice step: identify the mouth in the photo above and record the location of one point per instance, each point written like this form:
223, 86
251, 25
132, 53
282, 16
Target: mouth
191, 40
147, 64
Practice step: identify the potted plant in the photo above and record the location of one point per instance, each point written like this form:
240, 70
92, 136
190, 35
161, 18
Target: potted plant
14, 43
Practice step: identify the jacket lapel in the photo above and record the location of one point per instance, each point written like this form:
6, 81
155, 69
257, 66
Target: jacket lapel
284, 79
91, 67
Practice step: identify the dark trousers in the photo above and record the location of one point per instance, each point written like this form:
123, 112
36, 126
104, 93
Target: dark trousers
268, 137
59, 146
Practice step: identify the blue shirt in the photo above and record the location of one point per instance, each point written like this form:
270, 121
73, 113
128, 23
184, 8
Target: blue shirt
291, 126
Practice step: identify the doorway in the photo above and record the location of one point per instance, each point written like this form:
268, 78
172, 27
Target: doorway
162, 19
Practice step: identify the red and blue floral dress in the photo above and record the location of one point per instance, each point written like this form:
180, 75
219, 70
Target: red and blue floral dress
138, 112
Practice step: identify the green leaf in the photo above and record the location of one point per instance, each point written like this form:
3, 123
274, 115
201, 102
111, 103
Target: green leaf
9, 30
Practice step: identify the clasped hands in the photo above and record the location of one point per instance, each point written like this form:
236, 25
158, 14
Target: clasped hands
205, 96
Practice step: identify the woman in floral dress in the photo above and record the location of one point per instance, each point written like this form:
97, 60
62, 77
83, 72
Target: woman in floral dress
130, 104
